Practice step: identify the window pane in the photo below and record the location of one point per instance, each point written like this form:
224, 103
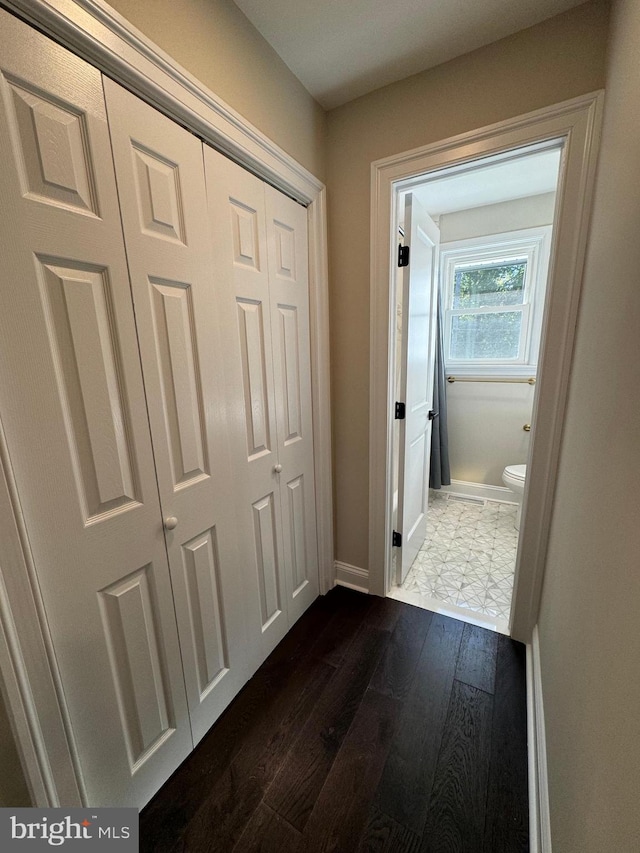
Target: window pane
485, 335
489, 285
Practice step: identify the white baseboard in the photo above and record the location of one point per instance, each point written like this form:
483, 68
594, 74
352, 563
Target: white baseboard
539, 818
480, 490
352, 577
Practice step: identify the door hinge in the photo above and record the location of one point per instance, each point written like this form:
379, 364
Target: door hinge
400, 411
403, 256
397, 539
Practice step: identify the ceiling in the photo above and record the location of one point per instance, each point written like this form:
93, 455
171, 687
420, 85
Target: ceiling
341, 49
494, 181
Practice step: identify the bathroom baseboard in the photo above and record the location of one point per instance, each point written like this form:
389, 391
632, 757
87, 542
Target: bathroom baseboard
539, 817
480, 490
352, 577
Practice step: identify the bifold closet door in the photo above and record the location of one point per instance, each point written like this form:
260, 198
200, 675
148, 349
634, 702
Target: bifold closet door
288, 256
263, 303
160, 175
72, 407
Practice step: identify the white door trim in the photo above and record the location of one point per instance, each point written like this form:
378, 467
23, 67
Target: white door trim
98, 34
539, 815
577, 122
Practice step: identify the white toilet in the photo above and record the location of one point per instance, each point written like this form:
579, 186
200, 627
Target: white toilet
513, 477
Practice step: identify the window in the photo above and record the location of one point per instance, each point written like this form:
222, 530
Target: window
493, 298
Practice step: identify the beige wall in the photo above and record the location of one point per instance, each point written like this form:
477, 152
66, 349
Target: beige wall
215, 42
590, 613
555, 60
485, 430
485, 420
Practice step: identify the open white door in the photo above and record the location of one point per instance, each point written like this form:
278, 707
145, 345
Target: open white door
419, 307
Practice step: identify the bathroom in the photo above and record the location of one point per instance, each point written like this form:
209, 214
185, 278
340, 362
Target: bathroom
495, 223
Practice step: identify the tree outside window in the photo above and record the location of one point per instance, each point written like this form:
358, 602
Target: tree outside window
482, 333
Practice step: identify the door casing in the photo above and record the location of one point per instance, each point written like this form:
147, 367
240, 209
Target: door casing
577, 124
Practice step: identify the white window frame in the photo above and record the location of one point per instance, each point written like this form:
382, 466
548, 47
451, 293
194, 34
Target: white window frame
534, 244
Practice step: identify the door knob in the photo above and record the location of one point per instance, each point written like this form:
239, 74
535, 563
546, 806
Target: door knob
277, 468
170, 522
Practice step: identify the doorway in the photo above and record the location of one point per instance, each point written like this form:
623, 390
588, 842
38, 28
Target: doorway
466, 344
575, 124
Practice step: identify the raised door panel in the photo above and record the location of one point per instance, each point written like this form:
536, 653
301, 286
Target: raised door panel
254, 377
288, 336
268, 559
51, 145
73, 411
179, 367
289, 308
415, 483
158, 189
238, 236
130, 624
295, 501
78, 303
201, 563
248, 248
160, 173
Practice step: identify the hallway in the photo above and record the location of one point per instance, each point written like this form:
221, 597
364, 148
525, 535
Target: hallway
374, 725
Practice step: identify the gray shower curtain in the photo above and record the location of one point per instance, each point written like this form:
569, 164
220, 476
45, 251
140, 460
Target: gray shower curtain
439, 474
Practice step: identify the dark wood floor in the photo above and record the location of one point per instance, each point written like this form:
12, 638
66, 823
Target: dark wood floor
373, 726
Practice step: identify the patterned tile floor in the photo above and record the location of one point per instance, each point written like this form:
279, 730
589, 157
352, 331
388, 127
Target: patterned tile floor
468, 558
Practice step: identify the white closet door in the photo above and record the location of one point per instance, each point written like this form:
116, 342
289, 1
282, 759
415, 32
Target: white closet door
260, 244
160, 173
289, 299
239, 238
73, 409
